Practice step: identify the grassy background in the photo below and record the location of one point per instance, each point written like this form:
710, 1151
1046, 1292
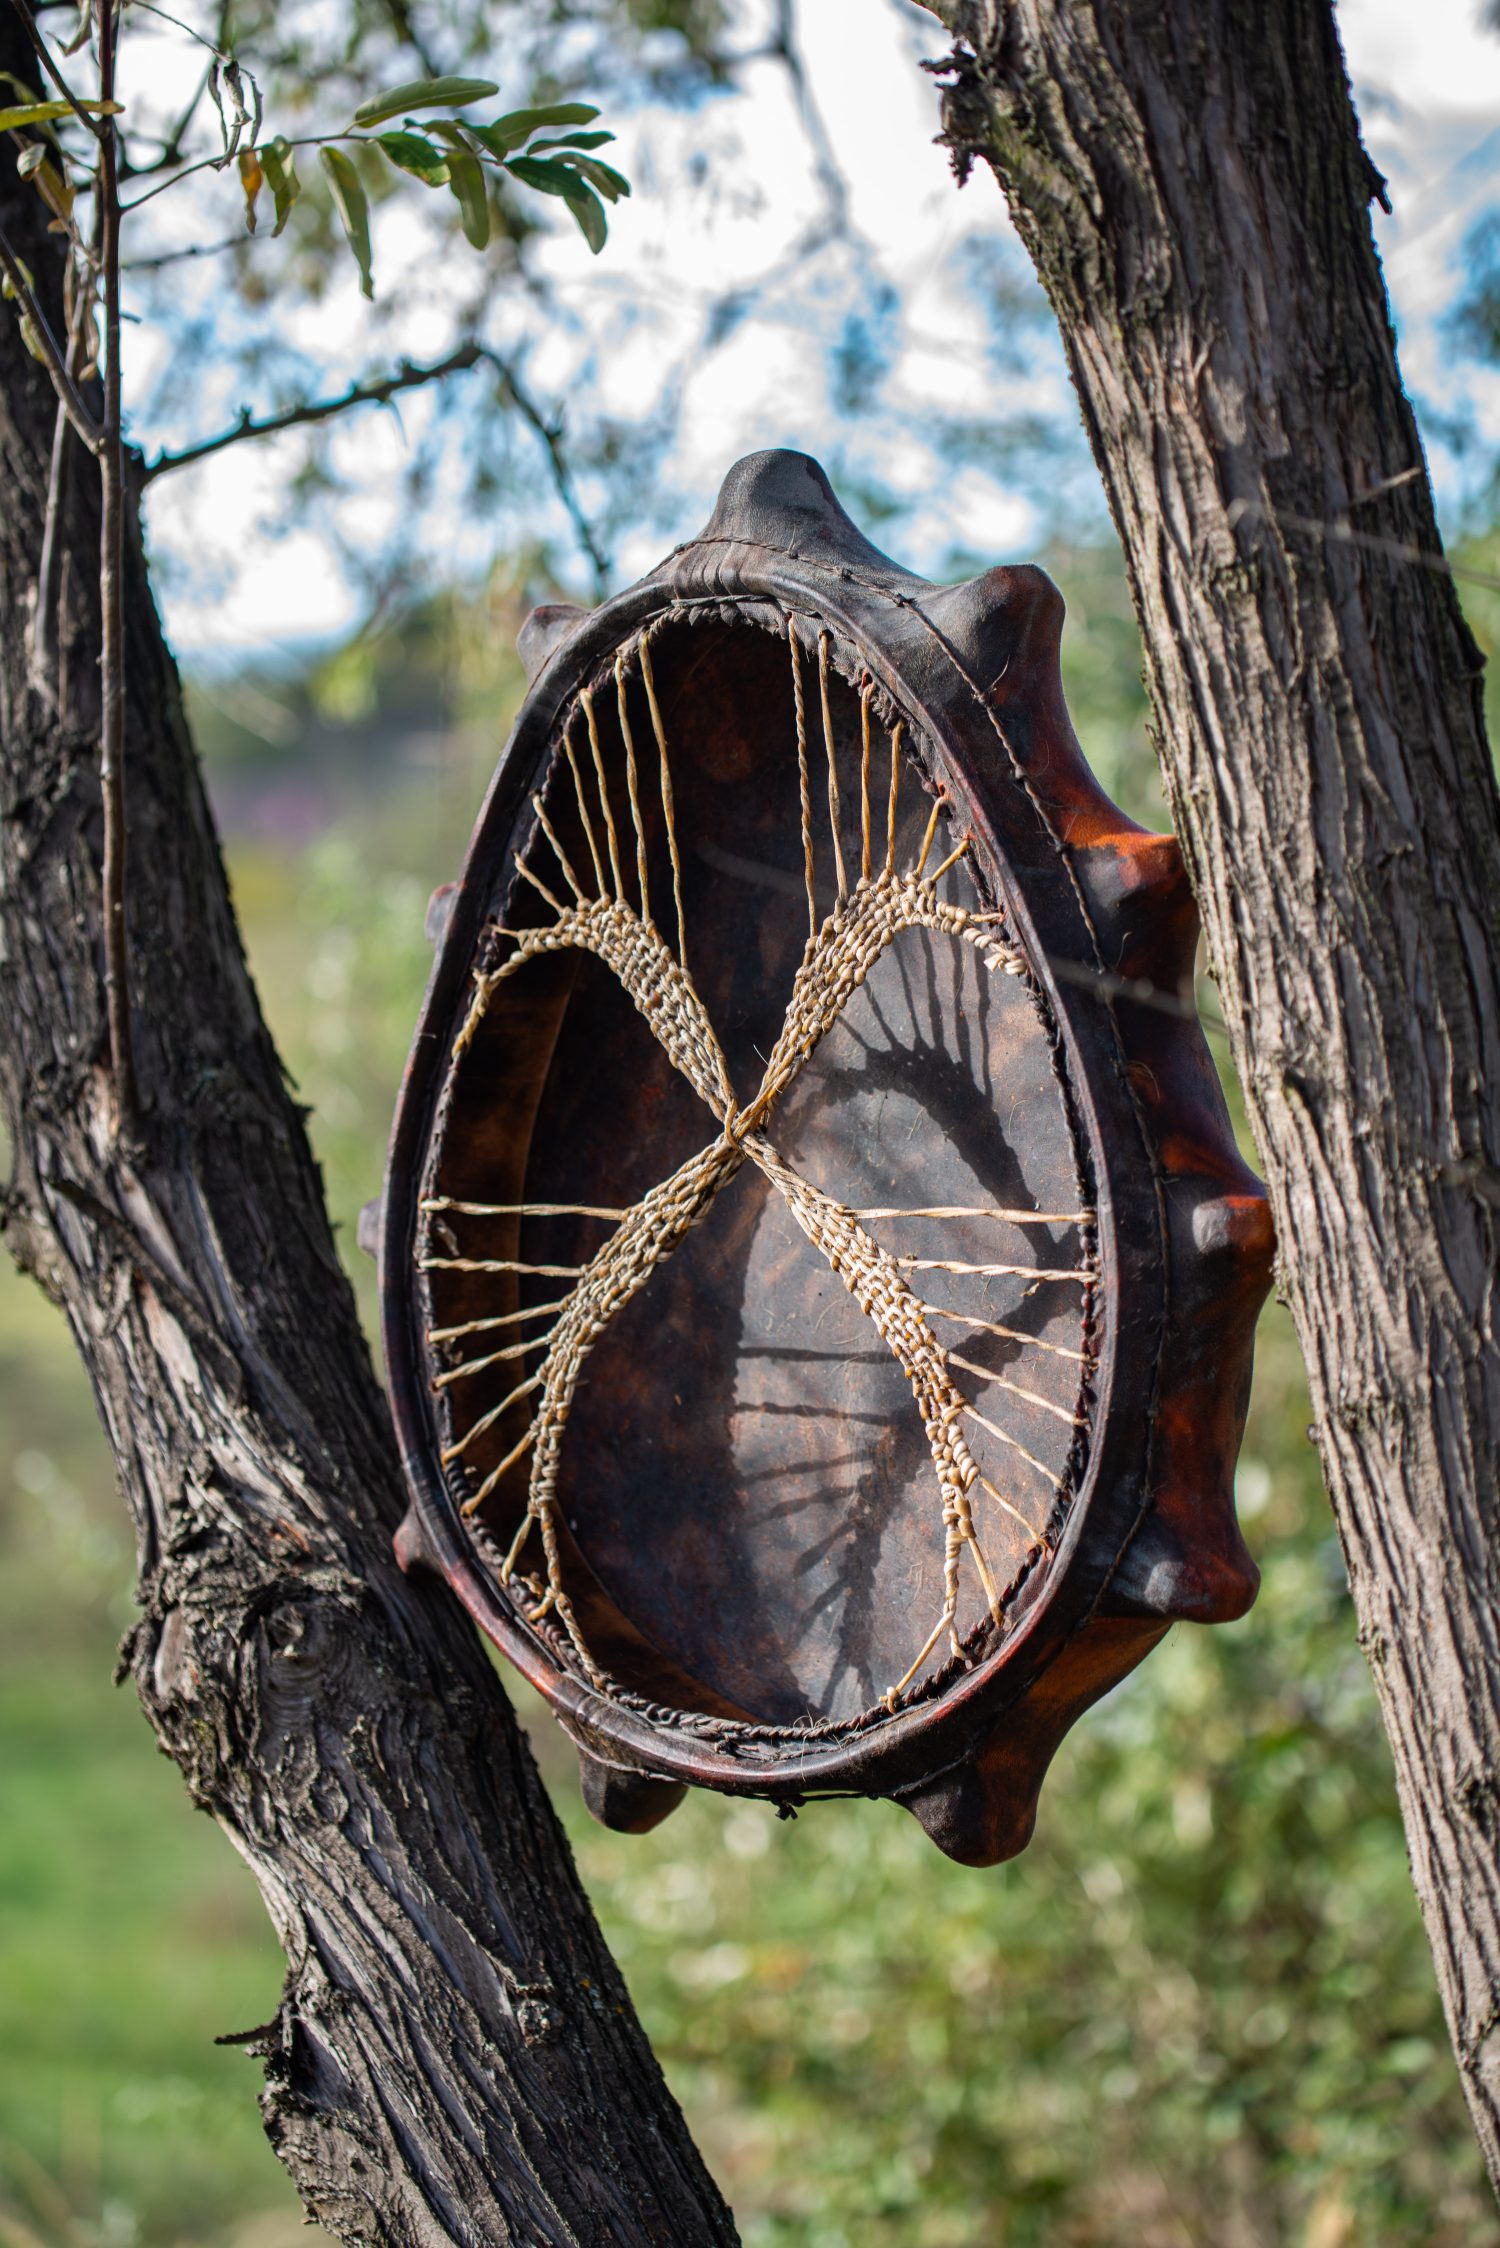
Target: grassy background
1200, 2009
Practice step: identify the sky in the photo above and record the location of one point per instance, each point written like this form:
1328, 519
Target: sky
725, 193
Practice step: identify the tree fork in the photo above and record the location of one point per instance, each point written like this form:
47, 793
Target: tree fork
454, 2057
1189, 180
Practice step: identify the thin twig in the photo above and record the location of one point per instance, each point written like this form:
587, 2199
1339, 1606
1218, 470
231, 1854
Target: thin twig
150, 8
830, 223
377, 393
57, 366
400, 16
782, 46
203, 164
45, 633
216, 164
189, 250
112, 607
92, 126
550, 434
171, 151
1139, 990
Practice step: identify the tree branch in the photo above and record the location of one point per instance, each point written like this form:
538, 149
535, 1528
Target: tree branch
378, 392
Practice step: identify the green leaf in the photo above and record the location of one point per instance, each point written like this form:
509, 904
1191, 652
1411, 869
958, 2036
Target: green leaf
610, 183
571, 140
592, 223
28, 94
424, 93
509, 131
414, 153
354, 210
279, 165
466, 178
553, 178
44, 112
548, 178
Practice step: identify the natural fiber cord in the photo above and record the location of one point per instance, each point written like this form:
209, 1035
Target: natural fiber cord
842, 947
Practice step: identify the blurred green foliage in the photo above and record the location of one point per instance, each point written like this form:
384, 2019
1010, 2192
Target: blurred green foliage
1199, 2010
1477, 556
130, 1935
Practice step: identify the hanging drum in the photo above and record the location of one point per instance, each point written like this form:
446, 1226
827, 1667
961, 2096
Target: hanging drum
818, 1277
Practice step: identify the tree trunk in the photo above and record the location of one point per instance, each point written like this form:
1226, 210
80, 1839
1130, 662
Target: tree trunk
1189, 180
454, 2057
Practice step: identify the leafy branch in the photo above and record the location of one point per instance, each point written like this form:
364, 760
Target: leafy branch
460, 155
445, 152
549, 149
44, 55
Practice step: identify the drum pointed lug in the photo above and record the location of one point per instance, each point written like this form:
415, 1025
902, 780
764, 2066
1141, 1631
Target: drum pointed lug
543, 633
368, 1224
413, 1547
984, 1811
439, 912
626, 1801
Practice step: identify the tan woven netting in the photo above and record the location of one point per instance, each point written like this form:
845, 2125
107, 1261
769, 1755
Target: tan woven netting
595, 893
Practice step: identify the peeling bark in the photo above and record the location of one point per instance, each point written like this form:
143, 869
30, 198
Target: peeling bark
454, 2058
1189, 180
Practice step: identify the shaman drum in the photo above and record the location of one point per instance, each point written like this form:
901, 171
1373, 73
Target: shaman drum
818, 1278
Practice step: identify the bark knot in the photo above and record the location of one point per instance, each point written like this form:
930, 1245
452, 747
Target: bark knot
538, 2018
1478, 1794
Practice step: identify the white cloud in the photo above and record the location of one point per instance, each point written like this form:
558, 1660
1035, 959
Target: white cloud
1435, 57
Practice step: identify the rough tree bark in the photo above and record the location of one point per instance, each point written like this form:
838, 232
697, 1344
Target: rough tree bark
1189, 179
454, 2057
